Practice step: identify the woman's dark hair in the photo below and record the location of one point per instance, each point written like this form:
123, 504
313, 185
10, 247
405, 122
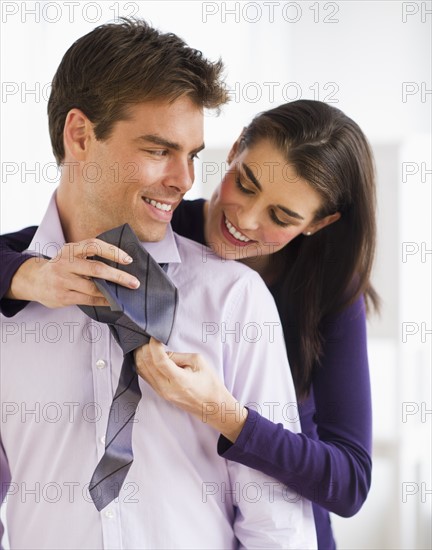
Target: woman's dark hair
119, 64
325, 272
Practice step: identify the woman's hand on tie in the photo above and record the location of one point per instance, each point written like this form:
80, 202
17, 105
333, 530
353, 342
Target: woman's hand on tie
188, 382
66, 279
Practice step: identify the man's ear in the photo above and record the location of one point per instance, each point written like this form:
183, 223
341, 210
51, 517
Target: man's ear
323, 222
235, 147
77, 134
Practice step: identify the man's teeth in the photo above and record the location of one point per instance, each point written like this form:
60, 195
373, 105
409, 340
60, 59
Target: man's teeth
235, 233
159, 205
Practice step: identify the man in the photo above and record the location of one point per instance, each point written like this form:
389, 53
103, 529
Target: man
126, 122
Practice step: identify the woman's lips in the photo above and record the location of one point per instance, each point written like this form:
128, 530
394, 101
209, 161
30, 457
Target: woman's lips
230, 237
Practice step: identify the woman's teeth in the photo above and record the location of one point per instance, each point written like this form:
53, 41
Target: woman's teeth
239, 236
159, 205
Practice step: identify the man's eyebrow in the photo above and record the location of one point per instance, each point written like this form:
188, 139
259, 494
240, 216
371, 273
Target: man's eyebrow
157, 140
198, 149
257, 184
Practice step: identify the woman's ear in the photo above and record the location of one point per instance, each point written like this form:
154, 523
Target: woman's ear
76, 134
235, 147
323, 222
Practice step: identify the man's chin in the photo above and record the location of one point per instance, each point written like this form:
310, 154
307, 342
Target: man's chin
148, 235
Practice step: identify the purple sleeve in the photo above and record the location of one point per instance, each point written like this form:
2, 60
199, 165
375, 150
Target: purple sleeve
11, 246
330, 462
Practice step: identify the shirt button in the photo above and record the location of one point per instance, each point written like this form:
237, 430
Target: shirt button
109, 514
101, 364
102, 439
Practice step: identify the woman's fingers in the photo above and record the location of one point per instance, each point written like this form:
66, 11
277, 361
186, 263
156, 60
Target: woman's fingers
146, 368
77, 258
99, 270
66, 279
96, 247
165, 360
82, 291
186, 381
154, 365
76, 298
161, 363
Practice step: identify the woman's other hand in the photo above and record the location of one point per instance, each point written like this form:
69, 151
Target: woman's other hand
188, 382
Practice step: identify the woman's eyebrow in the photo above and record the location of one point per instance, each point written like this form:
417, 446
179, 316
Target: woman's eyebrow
257, 184
290, 212
251, 176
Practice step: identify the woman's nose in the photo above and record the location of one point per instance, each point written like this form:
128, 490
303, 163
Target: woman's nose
248, 219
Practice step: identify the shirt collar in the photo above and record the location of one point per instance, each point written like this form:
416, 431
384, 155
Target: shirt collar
49, 238
166, 250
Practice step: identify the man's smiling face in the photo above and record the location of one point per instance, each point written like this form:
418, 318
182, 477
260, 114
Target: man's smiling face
141, 172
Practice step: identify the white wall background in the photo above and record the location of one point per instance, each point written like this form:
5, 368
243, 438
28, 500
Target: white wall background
370, 59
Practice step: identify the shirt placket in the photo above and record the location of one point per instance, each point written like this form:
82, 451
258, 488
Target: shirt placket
102, 367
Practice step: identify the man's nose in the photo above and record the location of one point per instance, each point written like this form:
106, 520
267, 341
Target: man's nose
181, 175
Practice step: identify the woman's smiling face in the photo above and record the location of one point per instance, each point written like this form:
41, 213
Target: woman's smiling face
260, 206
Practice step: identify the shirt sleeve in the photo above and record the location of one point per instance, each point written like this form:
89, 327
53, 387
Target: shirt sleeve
11, 247
269, 515
5, 479
334, 471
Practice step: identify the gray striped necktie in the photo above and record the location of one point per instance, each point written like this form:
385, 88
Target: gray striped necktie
133, 316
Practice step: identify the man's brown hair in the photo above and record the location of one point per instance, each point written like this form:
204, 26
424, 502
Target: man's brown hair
120, 64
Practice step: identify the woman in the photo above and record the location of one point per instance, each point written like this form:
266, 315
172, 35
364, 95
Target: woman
298, 205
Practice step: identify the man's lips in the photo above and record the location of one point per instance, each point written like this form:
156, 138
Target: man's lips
233, 234
163, 206
162, 210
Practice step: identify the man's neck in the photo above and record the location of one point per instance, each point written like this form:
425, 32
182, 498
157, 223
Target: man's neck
76, 221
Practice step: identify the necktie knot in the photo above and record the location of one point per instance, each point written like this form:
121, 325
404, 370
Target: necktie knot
135, 315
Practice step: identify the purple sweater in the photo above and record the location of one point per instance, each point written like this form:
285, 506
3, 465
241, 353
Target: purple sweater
329, 462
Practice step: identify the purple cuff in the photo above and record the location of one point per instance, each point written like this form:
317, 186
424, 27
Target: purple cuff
232, 451
9, 308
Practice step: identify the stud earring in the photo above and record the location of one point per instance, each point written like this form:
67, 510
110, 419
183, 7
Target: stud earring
308, 234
